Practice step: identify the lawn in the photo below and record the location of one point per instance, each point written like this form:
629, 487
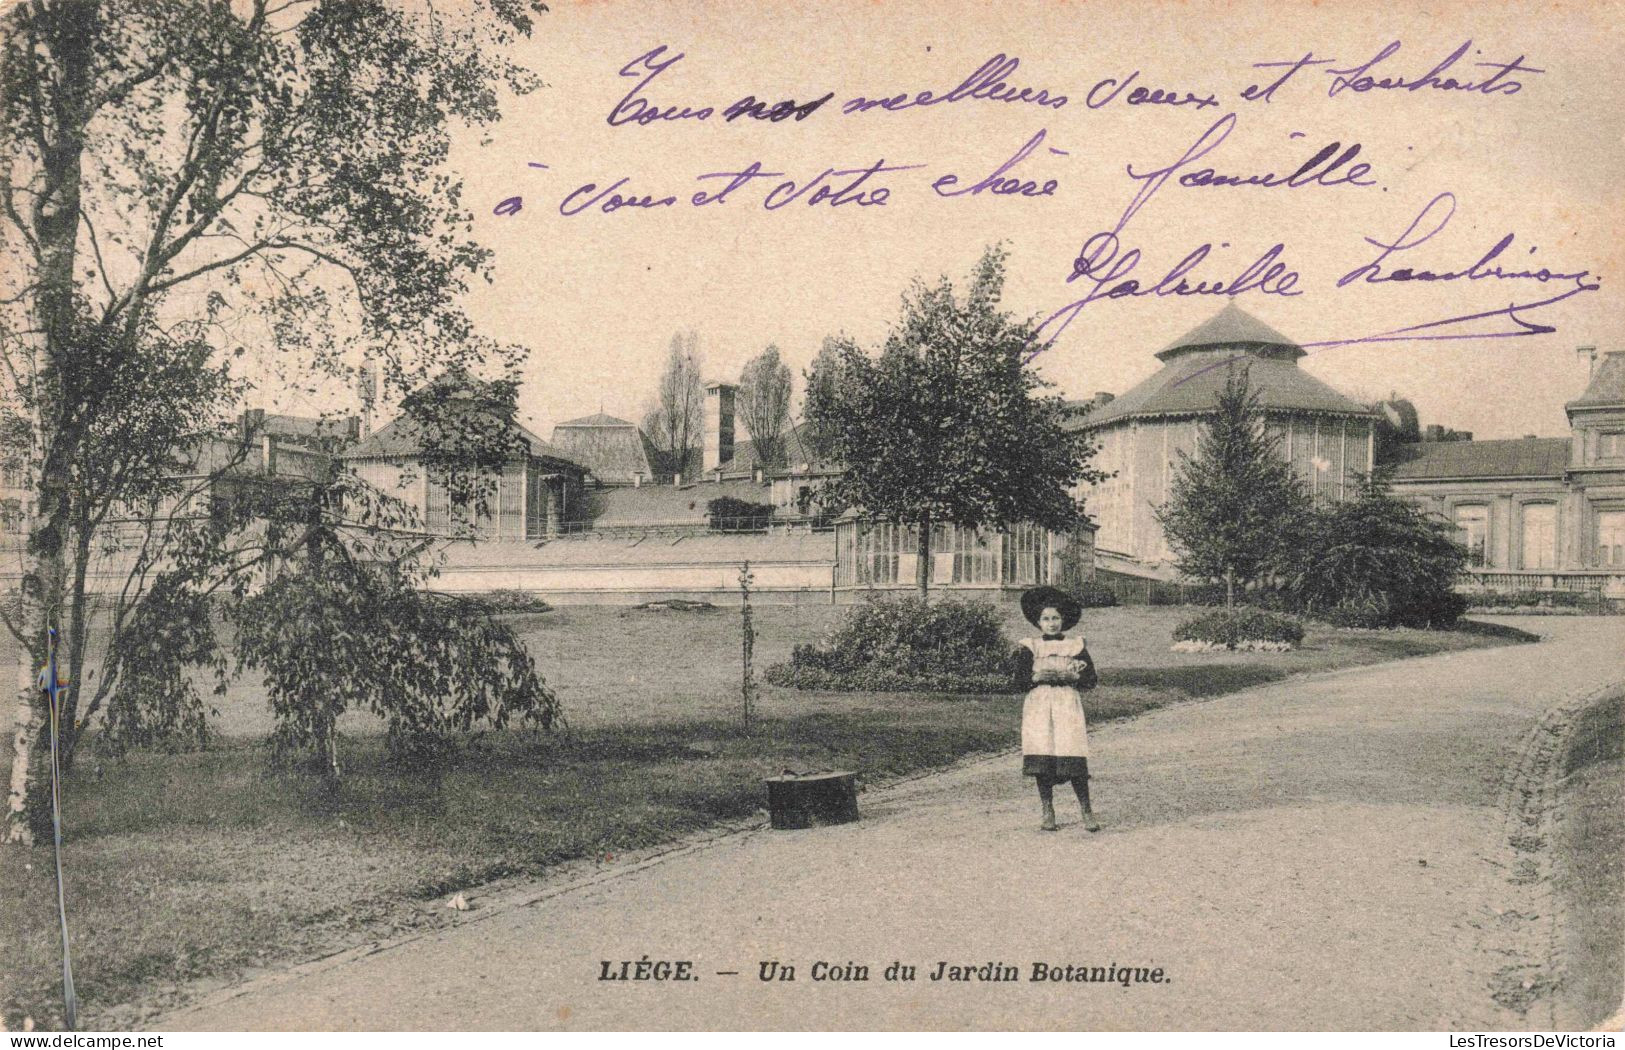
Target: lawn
212, 864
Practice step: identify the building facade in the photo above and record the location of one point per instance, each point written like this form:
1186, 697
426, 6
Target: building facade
536, 494
1536, 513
1142, 434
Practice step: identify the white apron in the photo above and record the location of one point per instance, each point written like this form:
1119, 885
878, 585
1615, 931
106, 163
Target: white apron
1052, 722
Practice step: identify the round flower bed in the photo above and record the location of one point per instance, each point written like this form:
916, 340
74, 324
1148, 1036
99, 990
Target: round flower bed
1238, 629
1250, 645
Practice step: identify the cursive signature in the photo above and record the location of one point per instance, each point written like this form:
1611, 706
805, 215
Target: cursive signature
1103, 264
1433, 218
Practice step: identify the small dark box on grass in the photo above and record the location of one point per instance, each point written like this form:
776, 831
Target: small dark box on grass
811, 800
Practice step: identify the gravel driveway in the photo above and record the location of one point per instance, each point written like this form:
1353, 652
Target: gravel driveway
1359, 850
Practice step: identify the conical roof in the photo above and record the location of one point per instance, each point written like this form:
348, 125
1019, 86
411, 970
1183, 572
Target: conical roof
614, 450
597, 419
1197, 364
1231, 327
402, 437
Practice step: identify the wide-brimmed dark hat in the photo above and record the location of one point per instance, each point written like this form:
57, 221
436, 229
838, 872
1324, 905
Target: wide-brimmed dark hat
1036, 599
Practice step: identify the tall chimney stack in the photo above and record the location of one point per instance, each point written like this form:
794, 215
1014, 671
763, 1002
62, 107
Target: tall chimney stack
719, 426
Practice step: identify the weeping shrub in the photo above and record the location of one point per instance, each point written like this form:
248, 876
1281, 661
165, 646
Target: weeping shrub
340, 635
1376, 552
154, 701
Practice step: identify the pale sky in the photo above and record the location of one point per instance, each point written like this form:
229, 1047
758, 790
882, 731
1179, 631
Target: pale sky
596, 297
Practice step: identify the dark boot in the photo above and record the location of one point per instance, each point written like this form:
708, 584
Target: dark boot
1080, 785
1046, 795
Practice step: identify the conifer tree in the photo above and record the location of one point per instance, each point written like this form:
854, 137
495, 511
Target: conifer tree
1234, 506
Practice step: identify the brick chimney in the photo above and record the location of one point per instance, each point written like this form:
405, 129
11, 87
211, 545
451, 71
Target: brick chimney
718, 445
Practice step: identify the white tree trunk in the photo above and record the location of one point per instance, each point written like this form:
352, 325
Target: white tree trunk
27, 724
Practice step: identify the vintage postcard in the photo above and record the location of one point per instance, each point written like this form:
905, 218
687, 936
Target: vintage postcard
716, 516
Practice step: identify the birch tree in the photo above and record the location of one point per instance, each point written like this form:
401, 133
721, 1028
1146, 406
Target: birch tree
184, 179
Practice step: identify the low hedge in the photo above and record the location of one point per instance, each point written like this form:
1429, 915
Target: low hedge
1534, 599
1436, 611
1231, 628
1364, 613
884, 680
906, 644
727, 514
1094, 596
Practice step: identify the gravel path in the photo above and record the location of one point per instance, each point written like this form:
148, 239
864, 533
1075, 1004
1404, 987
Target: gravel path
1359, 850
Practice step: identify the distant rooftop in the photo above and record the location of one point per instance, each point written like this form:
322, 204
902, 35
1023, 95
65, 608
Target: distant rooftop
597, 419
1513, 458
401, 437
616, 451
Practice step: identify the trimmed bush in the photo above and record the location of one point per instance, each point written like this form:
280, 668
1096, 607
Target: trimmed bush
727, 514
506, 599
1094, 596
905, 645
1234, 628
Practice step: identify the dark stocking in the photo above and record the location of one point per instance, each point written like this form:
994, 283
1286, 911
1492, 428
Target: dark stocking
1080, 785
1046, 795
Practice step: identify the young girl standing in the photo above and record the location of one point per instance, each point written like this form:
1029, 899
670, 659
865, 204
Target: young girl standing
1053, 667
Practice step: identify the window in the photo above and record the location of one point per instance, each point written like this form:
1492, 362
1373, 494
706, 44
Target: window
437, 509
1540, 536
975, 556
1611, 538
1473, 531
1024, 560
1611, 445
877, 553
536, 496
511, 523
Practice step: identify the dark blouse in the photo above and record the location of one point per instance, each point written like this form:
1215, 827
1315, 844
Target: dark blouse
1022, 666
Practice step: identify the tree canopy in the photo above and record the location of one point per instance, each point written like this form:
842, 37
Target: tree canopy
1383, 556
763, 404
945, 424
676, 418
